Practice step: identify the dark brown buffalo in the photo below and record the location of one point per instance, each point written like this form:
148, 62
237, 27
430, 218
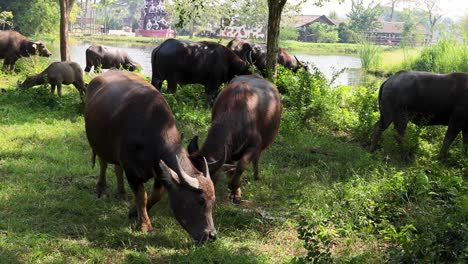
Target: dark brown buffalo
57, 73
129, 124
184, 62
13, 46
103, 57
425, 99
256, 54
245, 120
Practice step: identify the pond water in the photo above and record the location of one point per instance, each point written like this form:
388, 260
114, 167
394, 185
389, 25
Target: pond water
328, 64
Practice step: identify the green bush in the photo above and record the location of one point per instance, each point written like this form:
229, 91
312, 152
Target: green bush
288, 33
445, 56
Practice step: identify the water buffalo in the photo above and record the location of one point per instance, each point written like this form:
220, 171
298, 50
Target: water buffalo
103, 57
57, 73
129, 124
256, 54
425, 99
184, 62
13, 46
245, 120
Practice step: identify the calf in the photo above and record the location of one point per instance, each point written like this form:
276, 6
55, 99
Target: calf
65, 72
129, 124
13, 46
245, 120
425, 99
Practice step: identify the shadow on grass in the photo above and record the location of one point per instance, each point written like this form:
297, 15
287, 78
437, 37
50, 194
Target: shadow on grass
38, 104
9, 257
49, 189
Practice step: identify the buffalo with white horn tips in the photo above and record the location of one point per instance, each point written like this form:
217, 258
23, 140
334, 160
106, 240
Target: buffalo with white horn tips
245, 121
129, 124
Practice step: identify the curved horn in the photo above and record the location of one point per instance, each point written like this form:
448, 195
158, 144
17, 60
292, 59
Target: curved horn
206, 170
249, 58
216, 165
191, 181
300, 63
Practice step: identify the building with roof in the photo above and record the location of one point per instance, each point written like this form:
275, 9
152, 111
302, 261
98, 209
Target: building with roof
302, 22
391, 33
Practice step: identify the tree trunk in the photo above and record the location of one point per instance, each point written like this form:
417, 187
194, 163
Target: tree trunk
65, 9
275, 7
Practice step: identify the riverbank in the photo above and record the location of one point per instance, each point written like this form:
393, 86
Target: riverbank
290, 45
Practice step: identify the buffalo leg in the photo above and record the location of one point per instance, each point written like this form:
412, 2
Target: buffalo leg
156, 194
234, 184
9, 62
255, 166
465, 140
52, 88
102, 183
172, 84
120, 194
379, 128
157, 83
59, 89
452, 132
400, 123
143, 221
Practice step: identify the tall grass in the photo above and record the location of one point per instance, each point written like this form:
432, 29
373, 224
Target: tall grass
370, 54
445, 56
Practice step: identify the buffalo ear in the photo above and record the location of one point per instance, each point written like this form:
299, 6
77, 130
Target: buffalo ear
168, 175
193, 145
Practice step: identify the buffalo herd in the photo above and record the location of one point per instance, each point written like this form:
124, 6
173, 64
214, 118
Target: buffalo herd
129, 124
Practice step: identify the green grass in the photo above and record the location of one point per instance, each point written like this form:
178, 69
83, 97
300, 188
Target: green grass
318, 181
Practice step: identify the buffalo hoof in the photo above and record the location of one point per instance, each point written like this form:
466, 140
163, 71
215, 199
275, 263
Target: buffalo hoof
132, 213
100, 190
121, 196
236, 200
145, 227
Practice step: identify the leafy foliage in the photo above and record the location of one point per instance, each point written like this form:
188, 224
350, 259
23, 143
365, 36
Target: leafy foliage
445, 56
321, 33
288, 33
362, 18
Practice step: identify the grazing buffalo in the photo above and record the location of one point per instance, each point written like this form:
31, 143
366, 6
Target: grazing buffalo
424, 99
13, 46
257, 55
245, 120
129, 124
57, 73
103, 57
184, 62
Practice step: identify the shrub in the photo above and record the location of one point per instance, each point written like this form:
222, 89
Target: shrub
445, 56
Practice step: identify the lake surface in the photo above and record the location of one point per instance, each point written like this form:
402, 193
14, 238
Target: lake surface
328, 64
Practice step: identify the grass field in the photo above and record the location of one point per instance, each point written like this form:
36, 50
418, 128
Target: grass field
322, 197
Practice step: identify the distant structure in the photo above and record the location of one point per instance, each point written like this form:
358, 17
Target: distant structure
243, 32
391, 34
302, 23
153, 20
